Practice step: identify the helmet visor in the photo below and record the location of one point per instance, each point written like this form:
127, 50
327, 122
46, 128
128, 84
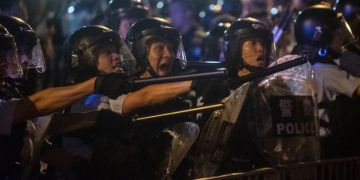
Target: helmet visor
170, 34
125, 61
181, 56
128, 63
9, 61
32, 58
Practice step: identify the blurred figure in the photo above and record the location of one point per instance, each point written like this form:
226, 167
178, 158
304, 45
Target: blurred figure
9, 65
14, 8
77, 14
350, 58
213, 48
258, 9
284, 14
123, 13
182, 14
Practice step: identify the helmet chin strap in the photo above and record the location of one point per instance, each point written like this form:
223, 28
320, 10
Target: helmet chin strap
150, 69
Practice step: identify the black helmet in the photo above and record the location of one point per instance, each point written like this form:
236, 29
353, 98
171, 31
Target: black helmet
119, 9
8, 55
149, 29
26, 39
234, 37
82, 48
213, 45
314, 31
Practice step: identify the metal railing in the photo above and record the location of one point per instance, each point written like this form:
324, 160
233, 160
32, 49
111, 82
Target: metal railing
334, 169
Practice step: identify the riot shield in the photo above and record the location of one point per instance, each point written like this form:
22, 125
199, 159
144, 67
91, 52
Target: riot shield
287, 127
183, 136
216, 132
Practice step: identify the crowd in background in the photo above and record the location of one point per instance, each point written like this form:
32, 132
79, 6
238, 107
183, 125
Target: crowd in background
242, 36
55, 21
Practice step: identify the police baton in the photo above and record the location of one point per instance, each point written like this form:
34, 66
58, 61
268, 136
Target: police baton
180, 112
242, 80
222, 74
271, 70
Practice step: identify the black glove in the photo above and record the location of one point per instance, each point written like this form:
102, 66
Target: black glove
112, 85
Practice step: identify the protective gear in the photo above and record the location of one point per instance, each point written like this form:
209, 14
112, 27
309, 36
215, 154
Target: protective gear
112, 85
28, 44
9, 62
119, 9
314, 31
82, 50
234, 37
147, 30
214, 42
287, 129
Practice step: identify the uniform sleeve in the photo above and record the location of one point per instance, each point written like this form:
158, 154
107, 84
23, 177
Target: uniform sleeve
116, 105
337, 80
7, 111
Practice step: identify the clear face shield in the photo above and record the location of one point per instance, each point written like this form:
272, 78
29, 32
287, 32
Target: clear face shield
181, 56
126, 63
32, 57
263, 58
172, 36
9, 61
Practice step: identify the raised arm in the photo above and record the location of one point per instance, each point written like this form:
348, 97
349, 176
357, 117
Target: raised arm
51, 99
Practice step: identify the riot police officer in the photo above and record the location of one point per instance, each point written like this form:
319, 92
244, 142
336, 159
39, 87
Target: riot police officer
249, 47
88, 49
320, 34
15, 112
29, 52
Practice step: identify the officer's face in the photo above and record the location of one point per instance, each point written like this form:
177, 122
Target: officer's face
161, 57
109, 61
253, 53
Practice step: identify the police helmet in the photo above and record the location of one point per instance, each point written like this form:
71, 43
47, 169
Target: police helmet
314, 31
27, 42
82, 50
213, 44
239, 31
147, 30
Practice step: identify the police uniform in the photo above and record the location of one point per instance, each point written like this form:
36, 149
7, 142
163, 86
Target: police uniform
332, 81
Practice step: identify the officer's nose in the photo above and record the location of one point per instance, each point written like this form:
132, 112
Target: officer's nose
168, 52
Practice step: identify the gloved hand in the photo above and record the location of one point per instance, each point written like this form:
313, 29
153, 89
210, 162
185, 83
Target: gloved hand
112, 85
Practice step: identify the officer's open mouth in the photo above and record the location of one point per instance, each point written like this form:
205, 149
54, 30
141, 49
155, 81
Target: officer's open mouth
260, 59
165, 66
